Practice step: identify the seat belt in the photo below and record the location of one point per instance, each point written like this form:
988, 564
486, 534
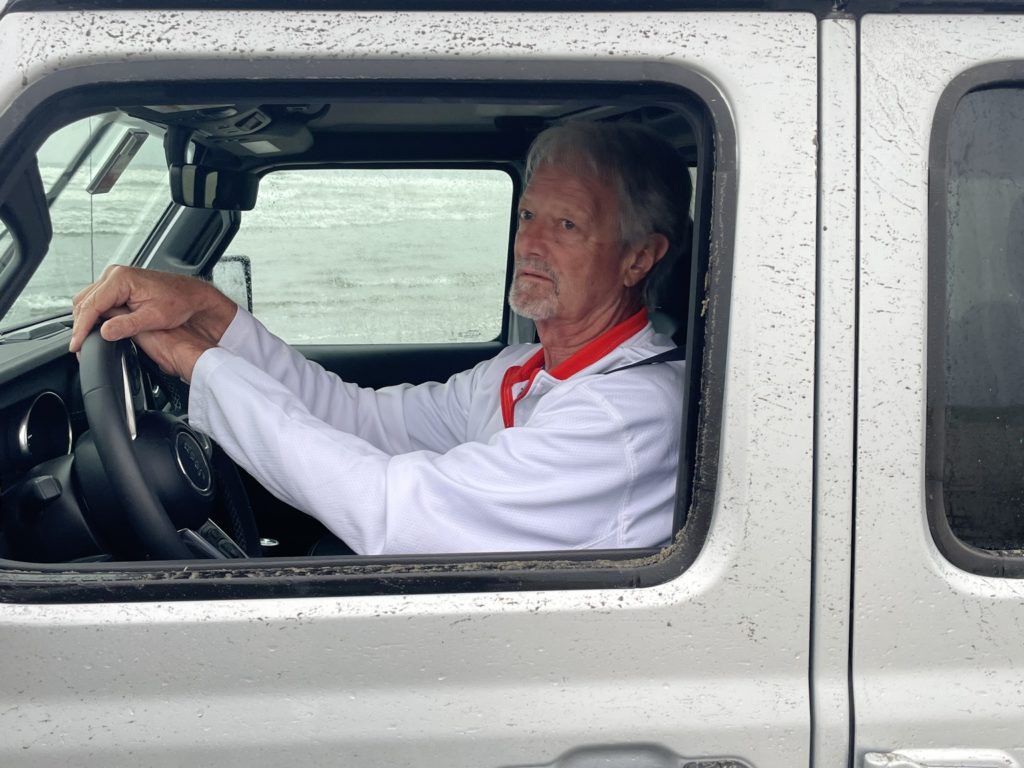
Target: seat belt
676, 353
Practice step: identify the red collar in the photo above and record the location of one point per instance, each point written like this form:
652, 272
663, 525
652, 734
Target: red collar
586, 356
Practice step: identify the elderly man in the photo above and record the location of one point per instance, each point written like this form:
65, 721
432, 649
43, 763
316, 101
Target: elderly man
568, 444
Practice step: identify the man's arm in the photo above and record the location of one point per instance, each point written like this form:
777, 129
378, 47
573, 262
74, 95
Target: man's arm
395, 419
572, 478
175, 319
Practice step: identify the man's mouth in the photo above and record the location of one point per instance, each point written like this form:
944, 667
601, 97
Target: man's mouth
535, 271
533, 275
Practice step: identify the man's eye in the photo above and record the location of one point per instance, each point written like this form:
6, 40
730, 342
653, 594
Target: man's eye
525, 215
567, 224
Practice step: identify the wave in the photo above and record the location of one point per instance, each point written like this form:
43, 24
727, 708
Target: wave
310, 199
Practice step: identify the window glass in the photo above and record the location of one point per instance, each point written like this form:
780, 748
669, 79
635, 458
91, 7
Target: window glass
106, 183
376, 255
983, 467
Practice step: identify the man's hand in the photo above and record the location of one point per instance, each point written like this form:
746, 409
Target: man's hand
173, 317
176, 351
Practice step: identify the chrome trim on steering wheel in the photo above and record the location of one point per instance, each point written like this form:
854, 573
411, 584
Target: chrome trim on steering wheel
129, 407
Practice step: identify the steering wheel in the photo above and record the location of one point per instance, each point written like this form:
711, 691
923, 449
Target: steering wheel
158, 468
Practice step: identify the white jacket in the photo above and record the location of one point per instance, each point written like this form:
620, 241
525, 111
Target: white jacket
589, 463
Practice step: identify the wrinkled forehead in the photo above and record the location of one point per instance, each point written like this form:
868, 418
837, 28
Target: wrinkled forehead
575, 178
577, 163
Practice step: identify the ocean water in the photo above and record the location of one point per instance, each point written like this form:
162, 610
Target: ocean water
342, 256
89, 232
367, 255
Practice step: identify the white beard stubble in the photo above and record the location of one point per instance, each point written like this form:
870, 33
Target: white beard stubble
533, 299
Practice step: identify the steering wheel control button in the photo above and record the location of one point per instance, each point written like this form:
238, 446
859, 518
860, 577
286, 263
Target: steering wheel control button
45, 488
192, 462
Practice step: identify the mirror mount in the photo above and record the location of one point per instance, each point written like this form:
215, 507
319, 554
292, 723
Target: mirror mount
198, 185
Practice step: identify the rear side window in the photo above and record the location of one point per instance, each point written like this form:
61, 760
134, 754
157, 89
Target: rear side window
976, 465
379, 255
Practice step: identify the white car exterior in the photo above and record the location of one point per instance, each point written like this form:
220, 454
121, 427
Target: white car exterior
819, 624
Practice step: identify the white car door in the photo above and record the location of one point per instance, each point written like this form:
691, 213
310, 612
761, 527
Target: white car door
709, 662
937, 658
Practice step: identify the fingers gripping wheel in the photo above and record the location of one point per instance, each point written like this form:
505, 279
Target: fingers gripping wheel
159, 474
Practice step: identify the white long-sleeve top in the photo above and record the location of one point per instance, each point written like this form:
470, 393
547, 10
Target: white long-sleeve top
589, 461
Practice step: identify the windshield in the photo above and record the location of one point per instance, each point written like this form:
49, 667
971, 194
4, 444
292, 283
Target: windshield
106, 184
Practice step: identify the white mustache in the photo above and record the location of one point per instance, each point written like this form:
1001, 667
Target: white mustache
535, 265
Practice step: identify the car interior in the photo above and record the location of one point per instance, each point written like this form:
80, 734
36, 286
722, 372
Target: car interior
97, 462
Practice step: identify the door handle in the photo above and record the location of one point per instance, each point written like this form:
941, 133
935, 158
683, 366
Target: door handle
941, 758
633, 756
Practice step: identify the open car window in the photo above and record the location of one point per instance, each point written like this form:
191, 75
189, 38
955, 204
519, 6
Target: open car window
387, 260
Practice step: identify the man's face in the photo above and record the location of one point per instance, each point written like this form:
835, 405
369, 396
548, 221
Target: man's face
569, 258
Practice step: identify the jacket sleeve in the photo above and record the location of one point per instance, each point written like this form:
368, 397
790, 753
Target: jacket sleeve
561, 482
397, 419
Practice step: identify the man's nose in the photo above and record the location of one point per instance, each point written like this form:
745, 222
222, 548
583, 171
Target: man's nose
528, 241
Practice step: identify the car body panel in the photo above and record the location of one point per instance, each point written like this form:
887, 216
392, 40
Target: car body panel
937, 660
712, 664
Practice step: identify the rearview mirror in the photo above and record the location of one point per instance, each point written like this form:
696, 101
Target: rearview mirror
205, 186
197, 186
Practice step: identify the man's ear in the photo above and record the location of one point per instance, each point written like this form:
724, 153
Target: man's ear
641, 258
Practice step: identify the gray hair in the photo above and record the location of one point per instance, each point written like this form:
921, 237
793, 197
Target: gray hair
651, 179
